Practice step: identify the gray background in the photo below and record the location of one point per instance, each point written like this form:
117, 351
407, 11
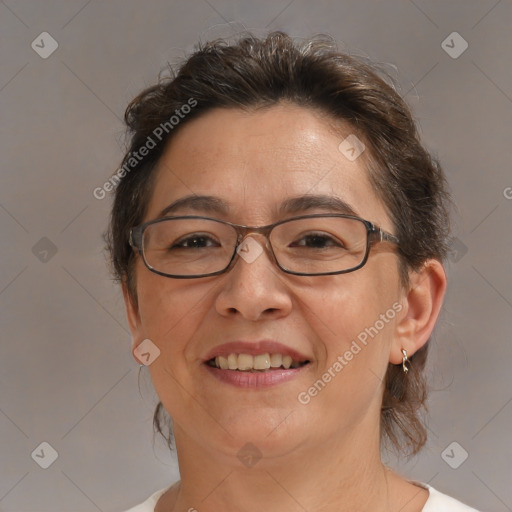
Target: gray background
66, 373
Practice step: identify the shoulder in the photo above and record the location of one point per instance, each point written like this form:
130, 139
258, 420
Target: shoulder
439, 502
150, 504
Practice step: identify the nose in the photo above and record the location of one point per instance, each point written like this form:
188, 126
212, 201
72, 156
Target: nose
254, 287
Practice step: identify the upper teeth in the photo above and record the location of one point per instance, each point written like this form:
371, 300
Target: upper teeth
245, 362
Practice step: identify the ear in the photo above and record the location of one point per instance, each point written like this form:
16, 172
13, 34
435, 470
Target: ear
421, 306
133, 317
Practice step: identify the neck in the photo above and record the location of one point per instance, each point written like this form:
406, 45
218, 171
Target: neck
334, 476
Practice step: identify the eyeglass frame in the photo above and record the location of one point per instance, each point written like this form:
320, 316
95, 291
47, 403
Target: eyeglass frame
374, 235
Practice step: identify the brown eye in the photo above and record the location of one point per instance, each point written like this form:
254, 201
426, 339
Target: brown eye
195, 241
318, 241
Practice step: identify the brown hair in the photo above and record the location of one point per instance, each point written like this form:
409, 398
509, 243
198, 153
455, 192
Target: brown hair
252, 73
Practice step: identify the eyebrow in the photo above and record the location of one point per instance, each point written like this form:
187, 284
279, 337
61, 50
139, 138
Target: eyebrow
304, 203
293, 205
209, 204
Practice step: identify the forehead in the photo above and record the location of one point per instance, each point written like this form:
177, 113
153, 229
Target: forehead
255, 161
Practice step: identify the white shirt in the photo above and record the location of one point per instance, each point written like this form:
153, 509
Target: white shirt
437, 502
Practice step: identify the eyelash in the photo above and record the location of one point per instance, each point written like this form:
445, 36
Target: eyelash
181, 243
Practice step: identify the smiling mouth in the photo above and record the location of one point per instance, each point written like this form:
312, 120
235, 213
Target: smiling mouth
259, 363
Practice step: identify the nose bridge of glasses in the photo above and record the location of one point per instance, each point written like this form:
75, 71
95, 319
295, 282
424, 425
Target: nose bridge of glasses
257, 246
250, 252
253, 231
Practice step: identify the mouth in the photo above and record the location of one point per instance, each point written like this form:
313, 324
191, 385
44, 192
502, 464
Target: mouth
258, 363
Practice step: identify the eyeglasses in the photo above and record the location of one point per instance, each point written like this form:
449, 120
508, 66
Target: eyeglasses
310, 245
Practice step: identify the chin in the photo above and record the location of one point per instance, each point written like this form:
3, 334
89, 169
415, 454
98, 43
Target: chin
274, 432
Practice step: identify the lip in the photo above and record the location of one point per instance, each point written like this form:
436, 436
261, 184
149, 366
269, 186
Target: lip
254, 348
255, 379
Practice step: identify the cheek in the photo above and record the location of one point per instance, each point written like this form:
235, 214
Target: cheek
352, 313
171, 311
354, 324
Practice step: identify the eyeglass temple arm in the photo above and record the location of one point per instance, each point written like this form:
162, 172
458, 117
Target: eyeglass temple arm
377, 234
135, 239
384, 236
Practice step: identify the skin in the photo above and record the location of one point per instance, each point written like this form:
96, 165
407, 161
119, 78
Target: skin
253, 161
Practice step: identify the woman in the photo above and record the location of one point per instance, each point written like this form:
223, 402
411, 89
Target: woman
279, 232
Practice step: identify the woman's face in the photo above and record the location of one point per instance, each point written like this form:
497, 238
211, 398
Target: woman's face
253, 163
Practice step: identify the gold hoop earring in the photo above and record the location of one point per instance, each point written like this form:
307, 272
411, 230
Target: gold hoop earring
405, 360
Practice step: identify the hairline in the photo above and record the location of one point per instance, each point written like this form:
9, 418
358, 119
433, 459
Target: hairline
335, 125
